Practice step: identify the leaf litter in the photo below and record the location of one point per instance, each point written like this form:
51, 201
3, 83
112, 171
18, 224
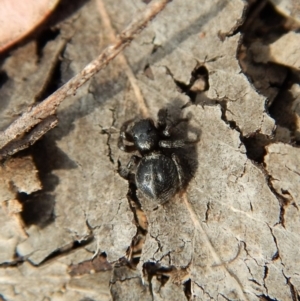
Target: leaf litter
221, 238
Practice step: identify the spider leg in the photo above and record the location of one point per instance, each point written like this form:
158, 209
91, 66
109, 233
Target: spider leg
125, 136
123, 130
124, 147
169, 127
134, 160
179, 170
126, 172
176, 143
162, 119
162, 124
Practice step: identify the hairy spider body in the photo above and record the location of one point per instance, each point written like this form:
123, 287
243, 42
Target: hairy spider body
158, 176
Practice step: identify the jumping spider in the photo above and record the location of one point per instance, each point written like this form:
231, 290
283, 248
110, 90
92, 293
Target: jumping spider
158, 175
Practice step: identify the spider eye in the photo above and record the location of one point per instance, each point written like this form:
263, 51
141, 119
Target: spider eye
147, 178
159, 177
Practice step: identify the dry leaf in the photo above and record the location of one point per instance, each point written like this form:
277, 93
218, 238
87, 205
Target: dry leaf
19, 18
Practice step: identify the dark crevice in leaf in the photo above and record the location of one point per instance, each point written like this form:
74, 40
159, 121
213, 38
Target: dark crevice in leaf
266, 272
188, 289
135, 250
17, 261
59, 252
148, 72
198, 82
46, 36
266, 298
53, 83
68, 248
231, 123
2, 298
203, 290
294, 292
282, 201
255, 145
154, 269
275, 256
3, 78
38, 208
207, 211
108, 133
159, 246
282, 214
254, 281
155, 48
225, 297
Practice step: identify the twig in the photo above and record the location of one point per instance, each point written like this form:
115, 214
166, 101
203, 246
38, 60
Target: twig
49, 106
35, 134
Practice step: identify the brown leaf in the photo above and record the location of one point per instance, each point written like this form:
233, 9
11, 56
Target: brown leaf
19, 18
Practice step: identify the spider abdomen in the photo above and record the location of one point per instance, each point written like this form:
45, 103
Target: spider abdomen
157, 177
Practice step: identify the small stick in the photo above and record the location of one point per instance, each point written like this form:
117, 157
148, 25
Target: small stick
25, 141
